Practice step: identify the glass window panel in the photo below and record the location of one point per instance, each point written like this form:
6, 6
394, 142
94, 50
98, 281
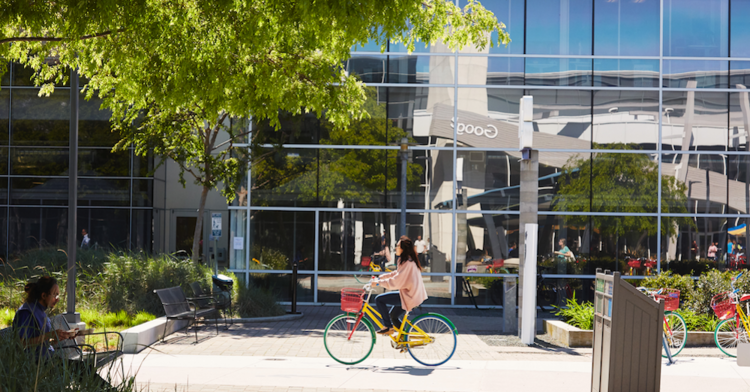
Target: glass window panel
563, 181
3, 191
37, 227
487, 240
36, 191
626, 28
369, 68
22, 76
688, 242
241, 128
739, 28
739, 74
739, 121
238, 229
738, 192
501, 71
3, 160
40, 121
630, 118
100, 162
429, 176
4, 116
696, 28
562, 119
141, 232
487, 118
491, 179
5, 79
705, 180
626, 73
285, 177
370, 46
695, 74
3, 233
279, 237
98, 192
510, 13
555, 27
616, 240
302, 129
107, 228
575, 231
143, 193
94, 128
421, 69
694, 120
412, 111
558, 72
280, 286
39, 162
143, 166
622, 182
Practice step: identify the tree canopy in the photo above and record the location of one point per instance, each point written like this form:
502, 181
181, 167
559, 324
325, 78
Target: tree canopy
182, 69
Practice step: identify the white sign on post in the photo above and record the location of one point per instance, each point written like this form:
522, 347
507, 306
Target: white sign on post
525, 123
216, 225
528, 306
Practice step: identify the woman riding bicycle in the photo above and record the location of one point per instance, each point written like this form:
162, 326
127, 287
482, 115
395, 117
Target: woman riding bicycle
407, 279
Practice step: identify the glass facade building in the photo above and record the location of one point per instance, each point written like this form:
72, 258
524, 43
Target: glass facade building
641, 114
114, 189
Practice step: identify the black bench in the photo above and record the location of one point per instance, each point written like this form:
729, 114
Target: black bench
178, 307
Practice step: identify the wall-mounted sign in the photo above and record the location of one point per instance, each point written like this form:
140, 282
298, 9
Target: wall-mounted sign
489, 130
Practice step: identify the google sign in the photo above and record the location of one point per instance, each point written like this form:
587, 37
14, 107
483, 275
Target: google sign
490, 131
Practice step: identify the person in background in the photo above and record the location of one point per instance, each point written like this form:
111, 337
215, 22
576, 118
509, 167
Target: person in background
421, 249
712, 249
694, 251
86, 243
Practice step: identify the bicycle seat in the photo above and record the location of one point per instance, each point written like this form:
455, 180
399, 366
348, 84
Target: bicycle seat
745, 297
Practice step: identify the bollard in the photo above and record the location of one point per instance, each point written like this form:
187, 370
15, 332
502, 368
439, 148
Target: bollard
294, 288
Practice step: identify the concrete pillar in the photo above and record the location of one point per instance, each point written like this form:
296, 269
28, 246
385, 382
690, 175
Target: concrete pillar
529, 214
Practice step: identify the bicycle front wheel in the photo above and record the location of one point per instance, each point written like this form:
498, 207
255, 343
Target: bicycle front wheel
440, 346
675, 333
347, 341
363, 276
728, 335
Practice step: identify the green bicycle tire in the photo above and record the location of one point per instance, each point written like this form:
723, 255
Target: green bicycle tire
447, 339
728, 343
680, 331
360, 346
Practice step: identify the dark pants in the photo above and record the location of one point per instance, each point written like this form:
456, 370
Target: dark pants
383, 301
82, 372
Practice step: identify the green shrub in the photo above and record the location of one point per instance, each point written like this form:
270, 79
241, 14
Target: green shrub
140, 318
130, 281
255, 301
269, 258
698, 322
6, 317
667, 280
577, 315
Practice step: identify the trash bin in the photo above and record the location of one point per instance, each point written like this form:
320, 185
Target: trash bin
223, 290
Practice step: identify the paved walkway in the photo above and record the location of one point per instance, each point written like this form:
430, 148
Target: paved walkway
289, 356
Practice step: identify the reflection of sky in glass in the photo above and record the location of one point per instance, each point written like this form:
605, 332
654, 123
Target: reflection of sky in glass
555, 27
509, 12
626, 73
500, 64
696, 28
626, 28
706, 73
740, 28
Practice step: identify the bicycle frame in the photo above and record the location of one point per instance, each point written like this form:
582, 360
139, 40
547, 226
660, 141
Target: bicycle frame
416, 336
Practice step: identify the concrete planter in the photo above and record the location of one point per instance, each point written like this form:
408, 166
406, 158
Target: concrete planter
568, 335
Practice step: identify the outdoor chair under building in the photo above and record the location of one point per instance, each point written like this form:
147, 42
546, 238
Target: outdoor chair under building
216, 301
98, 349
178, 307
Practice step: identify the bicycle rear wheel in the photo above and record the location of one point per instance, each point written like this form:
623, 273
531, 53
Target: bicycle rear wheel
675, 332
728, 334
347, 341
363, 276
442, 334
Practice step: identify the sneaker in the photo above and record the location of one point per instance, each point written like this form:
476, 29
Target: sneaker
386, 331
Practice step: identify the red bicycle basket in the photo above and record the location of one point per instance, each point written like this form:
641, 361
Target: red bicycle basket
650, 263
671, 298
366, 261
723, 306
634, 263
351, 300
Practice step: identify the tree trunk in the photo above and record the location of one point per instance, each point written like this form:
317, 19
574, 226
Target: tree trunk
199, 224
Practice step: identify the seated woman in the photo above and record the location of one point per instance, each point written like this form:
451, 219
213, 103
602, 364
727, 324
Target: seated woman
35, 328
407, 279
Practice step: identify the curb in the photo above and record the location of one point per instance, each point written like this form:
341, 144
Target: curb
286, 317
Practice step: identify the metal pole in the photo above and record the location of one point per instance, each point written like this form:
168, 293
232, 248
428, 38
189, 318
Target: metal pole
404, 159
71, 316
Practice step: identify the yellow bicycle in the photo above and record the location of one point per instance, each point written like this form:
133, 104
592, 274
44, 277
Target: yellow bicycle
349, 338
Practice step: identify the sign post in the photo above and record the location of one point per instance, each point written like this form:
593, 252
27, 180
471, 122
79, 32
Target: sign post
215, 234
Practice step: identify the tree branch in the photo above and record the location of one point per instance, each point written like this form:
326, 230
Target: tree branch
58, 39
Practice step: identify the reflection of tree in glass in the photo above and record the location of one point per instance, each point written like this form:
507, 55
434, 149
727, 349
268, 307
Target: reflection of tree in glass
351, 174
619, 182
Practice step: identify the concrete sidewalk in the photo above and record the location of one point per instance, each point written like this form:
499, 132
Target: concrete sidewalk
290, 356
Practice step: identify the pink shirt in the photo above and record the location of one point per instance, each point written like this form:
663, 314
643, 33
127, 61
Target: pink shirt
407, 279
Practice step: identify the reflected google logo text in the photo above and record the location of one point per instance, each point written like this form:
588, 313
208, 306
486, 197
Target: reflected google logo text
489, 131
